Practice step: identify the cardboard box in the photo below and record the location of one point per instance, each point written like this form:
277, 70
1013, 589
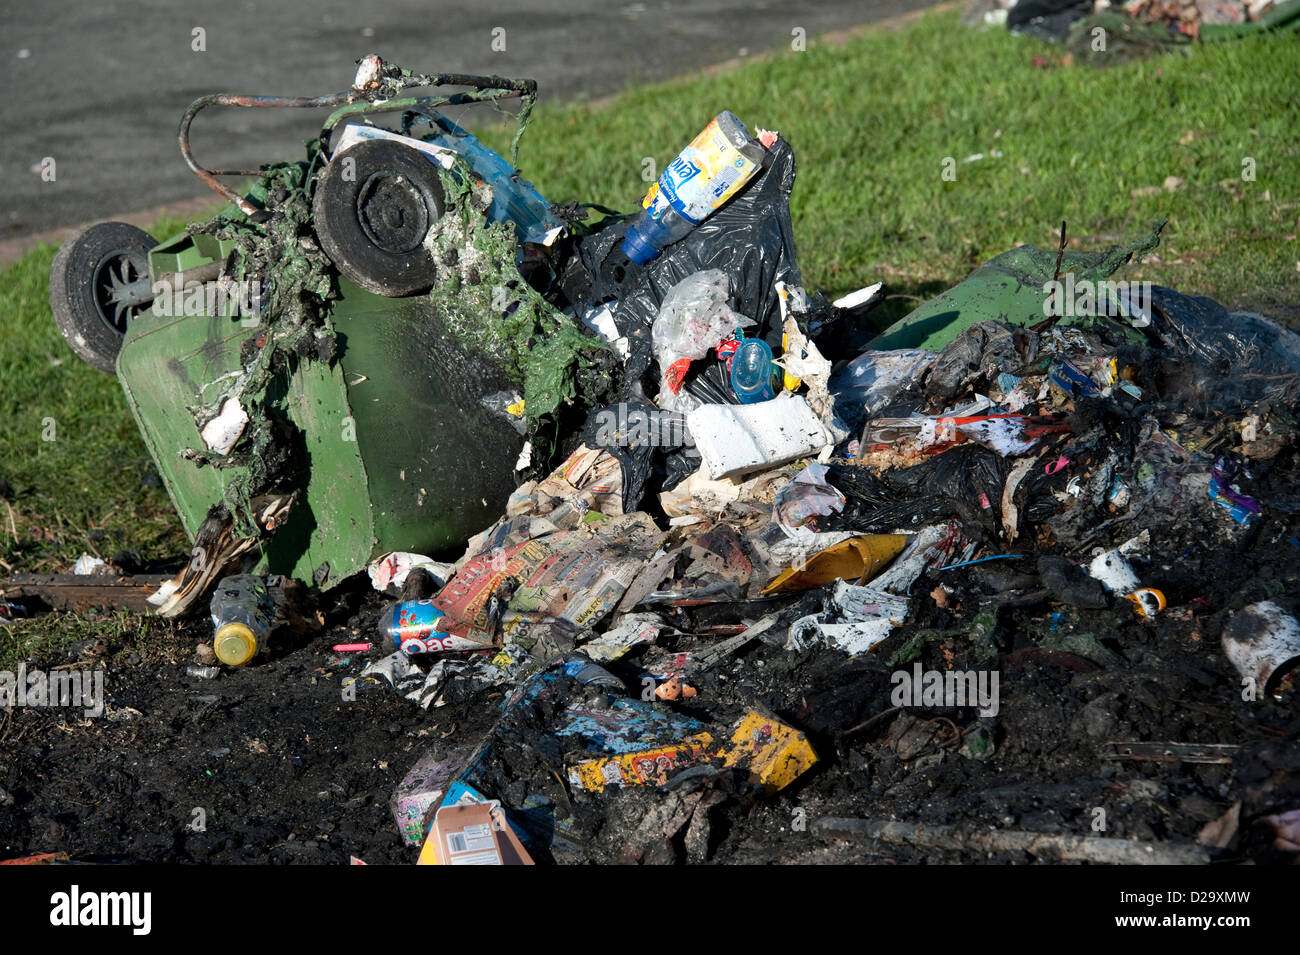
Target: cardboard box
473, 834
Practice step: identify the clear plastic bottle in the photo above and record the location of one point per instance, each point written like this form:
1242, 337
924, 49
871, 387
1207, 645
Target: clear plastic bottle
751, 371
704, 176
243, 613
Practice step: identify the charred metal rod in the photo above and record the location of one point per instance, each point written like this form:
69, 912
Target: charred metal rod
209, 177
489, 87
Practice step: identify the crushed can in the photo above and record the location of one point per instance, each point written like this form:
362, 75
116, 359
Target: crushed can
412, 627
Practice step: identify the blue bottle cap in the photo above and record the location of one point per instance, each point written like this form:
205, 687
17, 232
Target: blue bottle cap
636, 248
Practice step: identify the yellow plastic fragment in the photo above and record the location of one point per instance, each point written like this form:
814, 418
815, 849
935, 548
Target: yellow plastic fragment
775, 754
857, 560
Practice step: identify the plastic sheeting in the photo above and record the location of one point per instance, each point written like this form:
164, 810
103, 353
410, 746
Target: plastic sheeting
750, 240
1251, 358
956, 483
1046, 19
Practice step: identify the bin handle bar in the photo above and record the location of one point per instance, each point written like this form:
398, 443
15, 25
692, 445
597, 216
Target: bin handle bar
375, 93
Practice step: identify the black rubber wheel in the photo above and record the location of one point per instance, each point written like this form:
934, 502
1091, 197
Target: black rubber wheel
372, 215
99, 282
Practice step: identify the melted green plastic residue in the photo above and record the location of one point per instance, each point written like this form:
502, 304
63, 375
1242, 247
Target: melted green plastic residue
491, 310
295, 281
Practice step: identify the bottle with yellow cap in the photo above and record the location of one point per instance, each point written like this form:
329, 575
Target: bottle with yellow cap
243, 614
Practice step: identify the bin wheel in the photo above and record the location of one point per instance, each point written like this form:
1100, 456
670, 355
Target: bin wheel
99, 282
374, 206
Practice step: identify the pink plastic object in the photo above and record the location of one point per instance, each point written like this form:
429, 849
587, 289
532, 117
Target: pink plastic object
1056, 465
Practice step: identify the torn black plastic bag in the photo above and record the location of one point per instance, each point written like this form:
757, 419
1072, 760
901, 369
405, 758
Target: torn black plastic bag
873, 506
953, 484
1046, 19
633, 432
750, 239
1251, 358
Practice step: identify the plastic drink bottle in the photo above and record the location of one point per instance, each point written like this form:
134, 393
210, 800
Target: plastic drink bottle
751, 371
708, 172
243, 613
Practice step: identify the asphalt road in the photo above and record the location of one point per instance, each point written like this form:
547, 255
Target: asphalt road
99, 86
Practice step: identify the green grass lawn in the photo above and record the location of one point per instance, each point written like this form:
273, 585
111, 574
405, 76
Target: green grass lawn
871, 123
73, 464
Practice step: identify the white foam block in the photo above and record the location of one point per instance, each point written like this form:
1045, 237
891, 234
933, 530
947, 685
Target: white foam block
735, 439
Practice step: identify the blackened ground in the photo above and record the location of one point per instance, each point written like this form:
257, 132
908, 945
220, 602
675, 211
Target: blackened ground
284, 769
